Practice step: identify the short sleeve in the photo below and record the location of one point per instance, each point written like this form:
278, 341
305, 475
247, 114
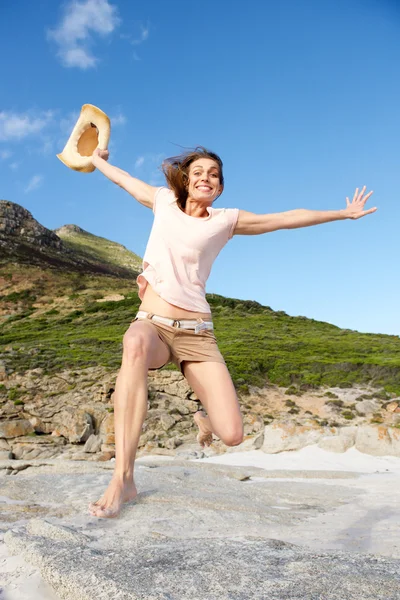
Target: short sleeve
162, 197
231, 215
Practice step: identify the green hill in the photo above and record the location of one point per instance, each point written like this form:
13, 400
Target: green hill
97, 248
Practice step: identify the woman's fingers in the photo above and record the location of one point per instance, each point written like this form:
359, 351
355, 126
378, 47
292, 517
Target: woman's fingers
358, 196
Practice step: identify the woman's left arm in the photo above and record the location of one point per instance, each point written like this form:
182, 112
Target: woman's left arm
252, 224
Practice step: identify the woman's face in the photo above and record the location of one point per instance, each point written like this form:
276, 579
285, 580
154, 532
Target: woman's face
204, 181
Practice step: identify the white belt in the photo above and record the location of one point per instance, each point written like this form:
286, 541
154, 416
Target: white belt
196, 324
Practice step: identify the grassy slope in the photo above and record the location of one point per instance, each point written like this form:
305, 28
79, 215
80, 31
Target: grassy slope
259, 344
99, 248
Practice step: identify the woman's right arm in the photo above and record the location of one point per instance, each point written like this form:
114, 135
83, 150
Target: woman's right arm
141, 191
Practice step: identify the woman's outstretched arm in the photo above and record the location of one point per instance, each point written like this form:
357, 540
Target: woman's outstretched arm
252, 224
141, 191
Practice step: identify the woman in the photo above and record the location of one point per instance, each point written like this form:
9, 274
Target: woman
174, 321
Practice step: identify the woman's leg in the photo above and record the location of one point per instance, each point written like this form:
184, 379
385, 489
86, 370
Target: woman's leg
212, 383
142, 350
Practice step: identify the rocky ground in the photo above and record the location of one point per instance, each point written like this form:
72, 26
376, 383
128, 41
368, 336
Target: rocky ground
199, 531
71, 414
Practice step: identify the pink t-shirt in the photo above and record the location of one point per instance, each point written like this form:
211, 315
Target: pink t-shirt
181, 250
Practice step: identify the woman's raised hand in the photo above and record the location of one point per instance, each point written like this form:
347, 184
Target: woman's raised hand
355, 208
104, 154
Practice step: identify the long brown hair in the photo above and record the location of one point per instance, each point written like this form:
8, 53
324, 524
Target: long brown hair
176, 171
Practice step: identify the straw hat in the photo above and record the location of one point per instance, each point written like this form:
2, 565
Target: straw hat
91, 131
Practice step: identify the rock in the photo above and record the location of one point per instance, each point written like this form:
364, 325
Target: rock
6, 455
378, 440
181, 407
4, 445
282, 436
103, 455
173, 443
340, 440
106, 429
249, 443
189, 454
93, 444
200, 533
147, 436
15, 428
392, 406
44, 446
167, 422
3, 371
75, 425
41, 426
367, 407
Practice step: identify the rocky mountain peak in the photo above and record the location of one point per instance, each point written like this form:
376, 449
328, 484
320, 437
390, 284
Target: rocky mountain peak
18, 225
66, 229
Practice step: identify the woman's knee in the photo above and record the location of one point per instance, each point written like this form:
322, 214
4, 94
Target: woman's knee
136, 345
233, 437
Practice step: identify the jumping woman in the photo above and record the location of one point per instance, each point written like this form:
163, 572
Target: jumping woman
174, 322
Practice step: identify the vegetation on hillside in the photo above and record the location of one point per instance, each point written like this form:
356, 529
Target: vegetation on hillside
56, 322
97, 248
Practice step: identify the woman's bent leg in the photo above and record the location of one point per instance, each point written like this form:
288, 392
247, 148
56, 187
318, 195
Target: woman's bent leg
212, 383
142, 350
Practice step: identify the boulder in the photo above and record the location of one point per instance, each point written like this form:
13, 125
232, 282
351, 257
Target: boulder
340, 439
106, 429
367, 407
4, 445
15, 428
93, 444
6, 455
75, 424
249, 443
378, 440
166, 422
281, 436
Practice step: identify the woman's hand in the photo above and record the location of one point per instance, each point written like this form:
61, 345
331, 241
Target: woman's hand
104, 154
355, 208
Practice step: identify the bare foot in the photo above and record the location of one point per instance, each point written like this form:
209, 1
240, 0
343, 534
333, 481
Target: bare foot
117, 493
204, 437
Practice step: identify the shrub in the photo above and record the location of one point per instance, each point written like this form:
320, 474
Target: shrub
293, 391
13, 393
336, 402
290, 403
347, 414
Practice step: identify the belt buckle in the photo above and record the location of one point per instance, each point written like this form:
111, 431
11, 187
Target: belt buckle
199, 327
176, 324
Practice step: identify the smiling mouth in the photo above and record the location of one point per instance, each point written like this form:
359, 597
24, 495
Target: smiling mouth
204, 188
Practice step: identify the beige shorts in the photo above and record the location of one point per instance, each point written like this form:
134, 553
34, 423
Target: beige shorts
186, 345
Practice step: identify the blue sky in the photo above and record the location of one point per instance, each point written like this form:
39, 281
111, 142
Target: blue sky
300, 99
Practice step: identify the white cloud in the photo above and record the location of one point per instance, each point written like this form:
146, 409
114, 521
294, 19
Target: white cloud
74, 34
33, 183
17, 126
144, 34
4, 154
118, 119
139, 162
